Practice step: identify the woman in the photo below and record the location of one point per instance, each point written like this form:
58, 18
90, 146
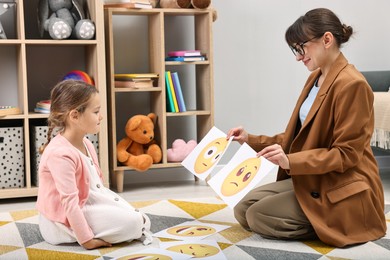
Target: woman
328, 185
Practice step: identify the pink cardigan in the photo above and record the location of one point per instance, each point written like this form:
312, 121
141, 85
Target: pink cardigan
64, 185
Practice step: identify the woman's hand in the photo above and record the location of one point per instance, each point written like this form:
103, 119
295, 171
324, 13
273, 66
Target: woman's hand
239, 134
275, 154
95, 243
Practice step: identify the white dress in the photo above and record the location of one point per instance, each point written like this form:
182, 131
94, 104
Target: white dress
110, 217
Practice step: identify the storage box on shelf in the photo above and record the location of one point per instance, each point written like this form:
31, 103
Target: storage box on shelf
31, 65
12, 157
152, 34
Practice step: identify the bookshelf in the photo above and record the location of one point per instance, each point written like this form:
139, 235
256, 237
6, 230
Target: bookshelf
31, 66
137, 41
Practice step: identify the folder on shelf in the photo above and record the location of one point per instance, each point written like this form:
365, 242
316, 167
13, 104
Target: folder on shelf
178, 91
173, 93
170, 104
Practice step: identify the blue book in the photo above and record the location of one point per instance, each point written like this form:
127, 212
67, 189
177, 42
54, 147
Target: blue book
170, 105
185, 58
178, 90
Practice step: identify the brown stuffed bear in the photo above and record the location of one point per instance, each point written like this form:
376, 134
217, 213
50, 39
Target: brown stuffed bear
139, 149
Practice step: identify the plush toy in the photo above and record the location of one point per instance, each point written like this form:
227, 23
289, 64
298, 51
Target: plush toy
63, 19
198, 4
139, 149
180, 150
79, 75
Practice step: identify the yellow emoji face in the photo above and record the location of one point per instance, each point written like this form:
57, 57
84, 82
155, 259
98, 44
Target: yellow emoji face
195, 250
240, 177
210, 155
191, 231
146, 257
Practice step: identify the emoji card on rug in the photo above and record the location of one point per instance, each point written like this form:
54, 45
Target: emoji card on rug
205, 156
154, 254
243, 172
192, 230
200, 249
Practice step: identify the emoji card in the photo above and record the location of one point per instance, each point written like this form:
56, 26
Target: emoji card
199, 249
154, 254
192, 230
205, 156
243, 172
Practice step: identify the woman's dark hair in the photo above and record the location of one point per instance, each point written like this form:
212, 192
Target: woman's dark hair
314, 24
66, 96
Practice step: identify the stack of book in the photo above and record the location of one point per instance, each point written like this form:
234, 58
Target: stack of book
133, 4
43, 107
175, 100
136, 81
187, 55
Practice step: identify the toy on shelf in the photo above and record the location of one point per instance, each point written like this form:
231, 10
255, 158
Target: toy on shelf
79, 75
197, 4
9, 110
138, 149
63, 19
180, 149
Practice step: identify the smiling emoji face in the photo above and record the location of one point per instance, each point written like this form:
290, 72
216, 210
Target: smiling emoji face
240, 177
210, 155
195, 250
145, 257
191, 231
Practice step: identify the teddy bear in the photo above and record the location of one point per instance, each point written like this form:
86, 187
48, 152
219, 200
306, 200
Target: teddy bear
180, 150
138, 149
197, 4
63, 19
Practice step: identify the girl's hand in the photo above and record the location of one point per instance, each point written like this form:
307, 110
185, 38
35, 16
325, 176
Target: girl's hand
95, 243
239, 134
275, 154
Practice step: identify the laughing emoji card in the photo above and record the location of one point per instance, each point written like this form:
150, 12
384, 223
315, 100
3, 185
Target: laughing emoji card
205, 156
243, 172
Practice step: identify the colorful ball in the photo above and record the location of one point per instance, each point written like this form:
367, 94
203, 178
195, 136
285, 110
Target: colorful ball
79, 75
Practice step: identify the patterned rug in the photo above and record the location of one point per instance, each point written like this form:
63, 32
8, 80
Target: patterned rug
20, 237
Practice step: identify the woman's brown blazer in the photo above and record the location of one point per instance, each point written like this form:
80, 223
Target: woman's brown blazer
334, 172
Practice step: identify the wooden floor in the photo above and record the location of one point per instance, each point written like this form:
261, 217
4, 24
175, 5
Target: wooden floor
158, 191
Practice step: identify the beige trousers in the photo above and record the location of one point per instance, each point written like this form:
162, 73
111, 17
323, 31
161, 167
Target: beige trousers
273, 212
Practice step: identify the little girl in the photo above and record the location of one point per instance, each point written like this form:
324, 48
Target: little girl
74, 205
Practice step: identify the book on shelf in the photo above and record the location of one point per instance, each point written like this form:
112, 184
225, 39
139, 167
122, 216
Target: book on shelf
139, 4
170, 104
132, 76
184, 53
178, 91
43, 107
136, 83
185, 58
173, 93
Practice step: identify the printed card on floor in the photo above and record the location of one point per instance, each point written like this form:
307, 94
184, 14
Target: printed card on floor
243, 172
191, 230
205, 156
199, 249
155, 253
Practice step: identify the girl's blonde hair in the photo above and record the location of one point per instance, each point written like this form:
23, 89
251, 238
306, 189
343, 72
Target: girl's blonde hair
66, 96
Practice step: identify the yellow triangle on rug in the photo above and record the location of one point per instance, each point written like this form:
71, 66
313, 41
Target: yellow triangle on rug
198, 210
19, 215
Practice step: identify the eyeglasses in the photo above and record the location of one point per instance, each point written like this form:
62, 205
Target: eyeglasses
298, 48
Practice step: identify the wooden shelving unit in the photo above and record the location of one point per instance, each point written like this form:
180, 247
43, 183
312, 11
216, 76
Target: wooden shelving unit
137, 41
30, 66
